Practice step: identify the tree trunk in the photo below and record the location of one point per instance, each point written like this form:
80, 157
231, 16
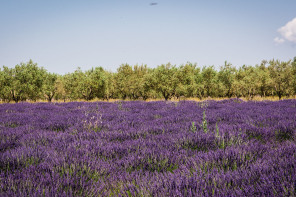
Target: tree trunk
229, 93
166, 96
280, 95
15, 98
49, 98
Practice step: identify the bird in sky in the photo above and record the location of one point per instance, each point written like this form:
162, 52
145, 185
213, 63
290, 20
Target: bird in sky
153, 3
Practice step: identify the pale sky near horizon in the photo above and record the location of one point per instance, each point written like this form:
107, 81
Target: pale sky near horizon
61, 35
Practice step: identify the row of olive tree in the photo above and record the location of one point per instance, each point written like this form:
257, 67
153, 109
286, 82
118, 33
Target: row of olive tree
27, 81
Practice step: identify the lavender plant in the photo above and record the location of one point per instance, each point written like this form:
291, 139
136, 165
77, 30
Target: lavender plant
148, 149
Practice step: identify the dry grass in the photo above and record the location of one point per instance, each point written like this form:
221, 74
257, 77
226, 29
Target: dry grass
256, 98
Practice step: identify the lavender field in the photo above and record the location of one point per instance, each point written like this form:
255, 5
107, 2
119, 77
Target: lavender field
211, 148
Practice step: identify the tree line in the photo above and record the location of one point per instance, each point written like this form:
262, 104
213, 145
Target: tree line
29, 82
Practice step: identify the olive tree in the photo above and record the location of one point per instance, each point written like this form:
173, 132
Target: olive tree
24, 81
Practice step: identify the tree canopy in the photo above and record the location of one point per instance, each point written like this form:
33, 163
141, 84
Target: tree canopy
28, 81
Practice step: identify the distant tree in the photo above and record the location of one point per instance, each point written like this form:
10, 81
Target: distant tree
198, 86
97, 82
70, 84
27, 81
226, 76
185, 76
24, 81
138, 80
264, 80
85, 85
239, 89
60, 89
209, 78
110, 86
123, 80
50, 86
130, 81
293, 64
164, 80
280, 73
250, 82
6, 80
149, 88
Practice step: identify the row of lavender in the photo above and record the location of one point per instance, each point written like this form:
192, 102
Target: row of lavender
225, 148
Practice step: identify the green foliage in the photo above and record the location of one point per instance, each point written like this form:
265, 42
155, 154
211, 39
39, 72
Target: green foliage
185, 76
209, 80
264, 79
27, 81
294, 74
193, 127
85, 85
60, 88
280, 72
5, 84
123, 81
24, 81
130, 82
204, 123
217, 130
249, 82
50, 86
284, 135
226, 77
164, 80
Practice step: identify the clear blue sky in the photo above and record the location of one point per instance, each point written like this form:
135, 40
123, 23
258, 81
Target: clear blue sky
61, 35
